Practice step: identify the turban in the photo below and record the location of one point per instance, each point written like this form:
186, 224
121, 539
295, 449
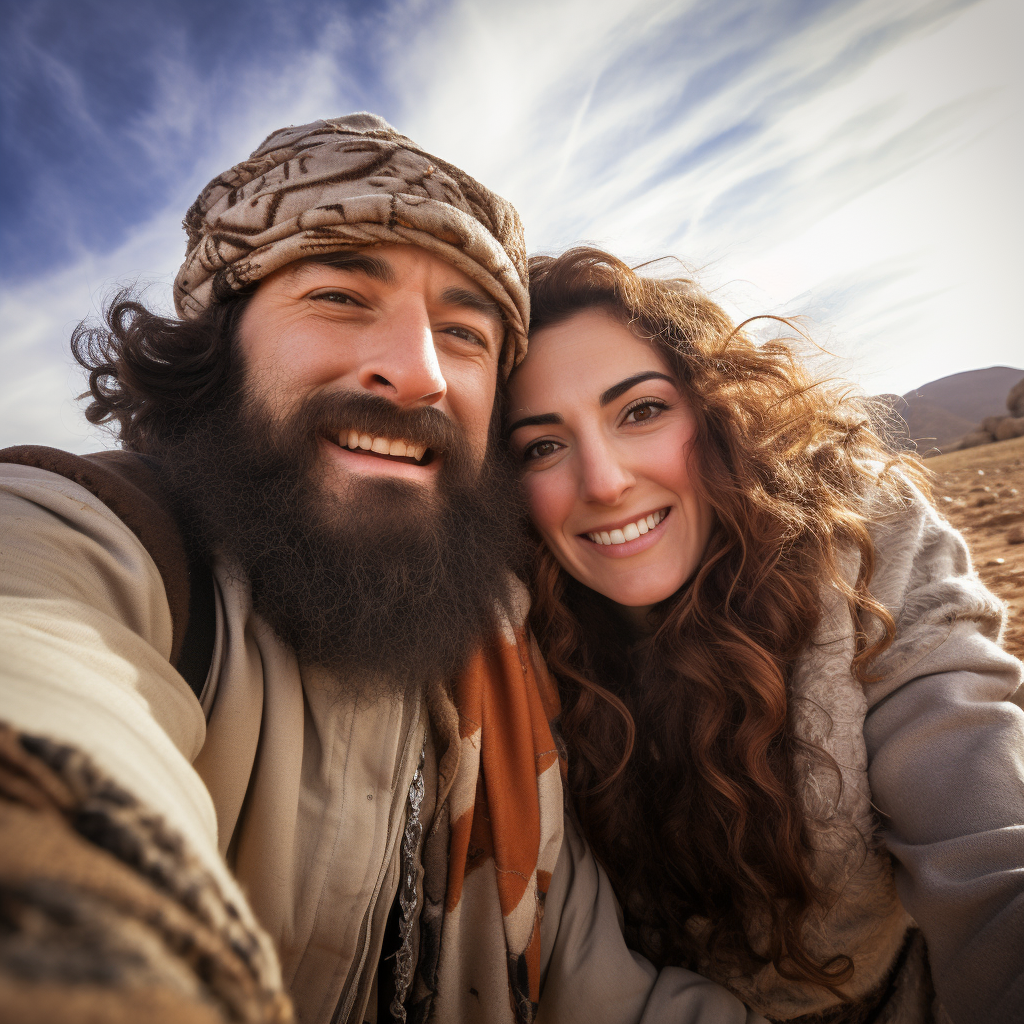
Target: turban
350, 182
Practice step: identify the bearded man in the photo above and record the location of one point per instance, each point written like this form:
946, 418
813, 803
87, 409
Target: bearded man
275, 734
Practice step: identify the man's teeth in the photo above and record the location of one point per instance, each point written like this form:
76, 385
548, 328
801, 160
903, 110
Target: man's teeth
383, 445
631, 531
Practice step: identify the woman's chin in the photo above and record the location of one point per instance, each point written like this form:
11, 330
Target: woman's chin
635, 601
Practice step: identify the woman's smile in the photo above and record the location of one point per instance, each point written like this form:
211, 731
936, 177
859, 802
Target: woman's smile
624, 539
603, 434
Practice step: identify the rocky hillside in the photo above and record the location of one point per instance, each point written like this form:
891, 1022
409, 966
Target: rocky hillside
938, 414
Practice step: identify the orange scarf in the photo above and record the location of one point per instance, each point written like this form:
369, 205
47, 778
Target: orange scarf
498, 832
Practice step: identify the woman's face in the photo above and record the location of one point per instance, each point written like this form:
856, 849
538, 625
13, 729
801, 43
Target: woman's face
603, 436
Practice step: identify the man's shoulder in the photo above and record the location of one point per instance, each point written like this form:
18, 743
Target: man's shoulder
128, 484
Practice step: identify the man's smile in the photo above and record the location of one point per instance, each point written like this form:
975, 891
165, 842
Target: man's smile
406, 451
377, 455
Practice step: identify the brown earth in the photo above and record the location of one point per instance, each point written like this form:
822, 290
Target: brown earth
981, 492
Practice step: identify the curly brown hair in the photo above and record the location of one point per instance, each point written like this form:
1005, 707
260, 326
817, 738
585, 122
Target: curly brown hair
151, 375
681, 749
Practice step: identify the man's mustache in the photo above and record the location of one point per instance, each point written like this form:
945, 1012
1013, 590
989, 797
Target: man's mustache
332, 414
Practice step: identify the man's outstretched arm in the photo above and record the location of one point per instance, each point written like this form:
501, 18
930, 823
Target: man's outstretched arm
114, 901
105, 913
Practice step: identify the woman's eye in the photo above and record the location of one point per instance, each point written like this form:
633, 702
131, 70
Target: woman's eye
643, 411
540, 450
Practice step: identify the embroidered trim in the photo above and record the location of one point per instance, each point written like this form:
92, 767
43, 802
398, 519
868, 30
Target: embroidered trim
407, 897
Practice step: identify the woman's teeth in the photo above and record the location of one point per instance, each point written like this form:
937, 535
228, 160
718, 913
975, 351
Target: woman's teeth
631, 531
382, 445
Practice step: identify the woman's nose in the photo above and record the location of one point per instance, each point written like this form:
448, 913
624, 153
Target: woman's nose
604, 479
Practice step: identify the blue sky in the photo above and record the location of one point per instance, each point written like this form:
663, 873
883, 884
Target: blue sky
855, 162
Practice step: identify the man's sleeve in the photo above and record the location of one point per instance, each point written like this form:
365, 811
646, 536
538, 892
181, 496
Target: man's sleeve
109, 845
85, 631
588, 975
945, 743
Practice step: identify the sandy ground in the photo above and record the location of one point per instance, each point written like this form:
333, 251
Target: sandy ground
981, 492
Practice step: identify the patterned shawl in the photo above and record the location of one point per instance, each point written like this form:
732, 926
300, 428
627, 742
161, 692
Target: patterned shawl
492, 848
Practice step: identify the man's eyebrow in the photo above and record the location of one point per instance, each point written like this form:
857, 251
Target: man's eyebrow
473, 300
617, 390
375, 267
534, 421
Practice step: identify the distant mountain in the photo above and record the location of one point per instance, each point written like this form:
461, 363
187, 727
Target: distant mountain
941, 412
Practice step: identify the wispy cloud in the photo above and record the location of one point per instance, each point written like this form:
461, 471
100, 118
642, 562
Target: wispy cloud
850, 161
786, 154
196, 120
664, 124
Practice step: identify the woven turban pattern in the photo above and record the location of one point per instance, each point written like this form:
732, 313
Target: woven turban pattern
346, 183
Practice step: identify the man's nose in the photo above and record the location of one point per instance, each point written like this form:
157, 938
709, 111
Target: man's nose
604, 478
401, 363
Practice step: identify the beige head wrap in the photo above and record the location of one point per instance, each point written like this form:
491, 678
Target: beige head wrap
350, 182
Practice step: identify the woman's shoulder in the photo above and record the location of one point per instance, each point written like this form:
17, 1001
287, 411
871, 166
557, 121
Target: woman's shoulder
912, 541
946, 618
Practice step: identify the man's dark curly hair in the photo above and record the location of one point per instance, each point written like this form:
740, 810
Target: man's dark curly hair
151, 374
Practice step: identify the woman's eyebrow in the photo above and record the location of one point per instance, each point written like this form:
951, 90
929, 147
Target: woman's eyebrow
617, 390
534, 421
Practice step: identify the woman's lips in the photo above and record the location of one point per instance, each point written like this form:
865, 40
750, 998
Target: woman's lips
608, 542
620, 533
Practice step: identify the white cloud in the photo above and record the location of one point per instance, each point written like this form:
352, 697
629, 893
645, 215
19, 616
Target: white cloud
860, 164
951, 218
863, 153
41, 378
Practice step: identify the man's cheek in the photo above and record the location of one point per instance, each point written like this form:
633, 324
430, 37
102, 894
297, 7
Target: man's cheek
480, 431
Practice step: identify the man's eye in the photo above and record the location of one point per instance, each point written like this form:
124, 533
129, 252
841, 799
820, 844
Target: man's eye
338, 298
466, 335
540, 450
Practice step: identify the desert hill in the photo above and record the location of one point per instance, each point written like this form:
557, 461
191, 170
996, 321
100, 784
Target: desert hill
942, 411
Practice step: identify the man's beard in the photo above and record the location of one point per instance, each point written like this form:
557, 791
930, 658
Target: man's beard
387, 583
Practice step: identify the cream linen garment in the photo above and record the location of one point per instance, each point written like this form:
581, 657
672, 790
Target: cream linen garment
308, 797
310, 793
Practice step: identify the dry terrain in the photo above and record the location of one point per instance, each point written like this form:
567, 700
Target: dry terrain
981, 492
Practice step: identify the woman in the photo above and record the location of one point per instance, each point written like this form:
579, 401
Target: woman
777, 670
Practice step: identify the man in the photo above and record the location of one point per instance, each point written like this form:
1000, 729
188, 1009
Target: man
268, 696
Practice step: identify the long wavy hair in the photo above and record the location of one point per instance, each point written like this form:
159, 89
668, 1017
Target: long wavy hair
680, 745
